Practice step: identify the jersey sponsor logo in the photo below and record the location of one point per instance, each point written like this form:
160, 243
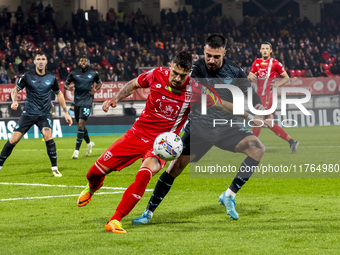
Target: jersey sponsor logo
107, 155
34, 81
48, 82
78, 75
158, 86
262, 75
89, 76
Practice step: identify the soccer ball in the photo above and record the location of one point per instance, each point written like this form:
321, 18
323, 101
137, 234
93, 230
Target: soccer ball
168, 146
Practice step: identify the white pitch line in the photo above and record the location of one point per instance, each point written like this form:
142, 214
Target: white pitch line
75, 195
54, 185
59, 186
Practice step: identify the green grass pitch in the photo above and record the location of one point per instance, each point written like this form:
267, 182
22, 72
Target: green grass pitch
277, 215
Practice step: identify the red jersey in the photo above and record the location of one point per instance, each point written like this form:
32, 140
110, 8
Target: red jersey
166, 108
267, 71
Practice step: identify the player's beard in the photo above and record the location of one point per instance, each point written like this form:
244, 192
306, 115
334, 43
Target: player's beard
84, 69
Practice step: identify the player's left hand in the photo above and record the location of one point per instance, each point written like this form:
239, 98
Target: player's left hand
68, 119
259, 107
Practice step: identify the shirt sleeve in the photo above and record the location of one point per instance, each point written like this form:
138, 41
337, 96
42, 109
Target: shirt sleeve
21, 84
144, 79
55, 86
69, 78
279, 68
97, 78
253, 67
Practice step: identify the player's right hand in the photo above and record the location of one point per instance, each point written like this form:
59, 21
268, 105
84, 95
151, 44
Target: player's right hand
70, 87
14, 105
106, 105
252, 76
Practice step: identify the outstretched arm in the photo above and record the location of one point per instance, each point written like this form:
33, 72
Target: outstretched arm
123, 93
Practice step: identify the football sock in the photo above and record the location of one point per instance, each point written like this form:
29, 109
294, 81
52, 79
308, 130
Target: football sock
244, 173
229, 192
162, 188
80, 137
256, 131
96, 176
86, 136
280, 132
52, 151
133, 194
6, 151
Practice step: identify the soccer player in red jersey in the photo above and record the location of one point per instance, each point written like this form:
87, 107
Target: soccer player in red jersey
265, 70
172, 92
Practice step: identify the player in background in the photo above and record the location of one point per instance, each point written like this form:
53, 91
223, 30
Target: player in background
37, 110
265, 70
200, 136
167, 109
83, 85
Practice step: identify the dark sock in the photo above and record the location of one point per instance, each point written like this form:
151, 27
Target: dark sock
245, 171
86, 136
162, 188
80, 137
6, 151
291, 141
52, 151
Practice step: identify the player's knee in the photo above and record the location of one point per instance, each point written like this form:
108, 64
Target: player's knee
254, 148
177, 166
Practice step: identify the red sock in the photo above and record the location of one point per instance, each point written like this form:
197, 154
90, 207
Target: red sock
280, 132
96, 176
133, 194
256, 131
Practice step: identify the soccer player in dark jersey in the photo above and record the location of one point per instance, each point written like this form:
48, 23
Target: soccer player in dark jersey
200, 136
83, 85
264, 71
167, 108
38, 84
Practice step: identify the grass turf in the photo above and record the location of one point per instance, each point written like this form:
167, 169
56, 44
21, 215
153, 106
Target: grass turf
277, 215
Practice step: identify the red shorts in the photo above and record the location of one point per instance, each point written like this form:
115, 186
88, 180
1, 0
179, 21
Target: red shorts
126, 150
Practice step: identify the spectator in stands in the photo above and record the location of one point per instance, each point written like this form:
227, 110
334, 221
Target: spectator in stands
335, 69
61, 44
3, 79
52, 66
11, 73
62, 72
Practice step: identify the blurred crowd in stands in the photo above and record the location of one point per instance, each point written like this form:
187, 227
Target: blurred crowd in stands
119, 44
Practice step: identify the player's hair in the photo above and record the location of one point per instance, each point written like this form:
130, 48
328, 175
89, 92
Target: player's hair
216, 41
268, 43
183, 59
40, 52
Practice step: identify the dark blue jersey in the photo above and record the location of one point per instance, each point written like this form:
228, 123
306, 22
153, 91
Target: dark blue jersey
83, 82
38, 90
